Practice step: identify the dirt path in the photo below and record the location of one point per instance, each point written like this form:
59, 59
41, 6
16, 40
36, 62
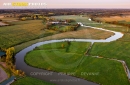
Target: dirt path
3, 75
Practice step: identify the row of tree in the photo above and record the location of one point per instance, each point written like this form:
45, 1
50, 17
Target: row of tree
9, 60
30, 17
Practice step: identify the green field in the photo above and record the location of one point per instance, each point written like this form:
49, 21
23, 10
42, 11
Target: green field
43, 56
17, 36
117, 50
24, 33
54, 57
21, 31
85, 21
30, 81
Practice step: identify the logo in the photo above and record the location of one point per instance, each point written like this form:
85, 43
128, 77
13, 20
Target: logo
25, 4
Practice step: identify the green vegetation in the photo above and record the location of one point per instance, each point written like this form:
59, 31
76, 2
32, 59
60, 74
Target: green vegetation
30, 81
61, 25
118, 20
31, 17
53, 52
22, 31
8, 63
90, 33
117, 50
54, 57
80, 34
85, 20
110, 72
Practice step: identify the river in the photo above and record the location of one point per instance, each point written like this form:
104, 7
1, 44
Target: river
54, 77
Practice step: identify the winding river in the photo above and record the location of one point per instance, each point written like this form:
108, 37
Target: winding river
54, 77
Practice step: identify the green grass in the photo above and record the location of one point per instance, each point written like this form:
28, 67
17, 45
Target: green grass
74, 47
106, 72
117, 50
30, 81
22, 31
110, 72
85, 21
54, 57
51, 52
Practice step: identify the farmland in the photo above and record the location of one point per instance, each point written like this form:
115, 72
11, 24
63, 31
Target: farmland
54, 57
22, 34
113, 50
85, 20
118, 49
17, 33
116, 18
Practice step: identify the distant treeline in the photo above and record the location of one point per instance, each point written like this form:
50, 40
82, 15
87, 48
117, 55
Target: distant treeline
122, 23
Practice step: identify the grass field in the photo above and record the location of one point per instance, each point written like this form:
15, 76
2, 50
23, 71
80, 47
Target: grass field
116, 18
117, 50
54, 52
85, 33
22, 31
81, 33
31, 81
85, 21
9, 19
54, 57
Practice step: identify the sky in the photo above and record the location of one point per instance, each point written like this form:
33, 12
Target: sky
74, 3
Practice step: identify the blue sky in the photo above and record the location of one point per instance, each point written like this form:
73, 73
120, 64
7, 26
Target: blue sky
77, 3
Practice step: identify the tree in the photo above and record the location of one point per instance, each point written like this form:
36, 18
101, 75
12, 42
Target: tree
23, 18
62, 45
68, 46
44, 20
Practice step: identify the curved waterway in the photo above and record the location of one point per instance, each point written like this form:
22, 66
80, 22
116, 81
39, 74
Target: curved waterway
54, 77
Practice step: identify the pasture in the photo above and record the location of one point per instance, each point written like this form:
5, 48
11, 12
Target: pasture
55, 58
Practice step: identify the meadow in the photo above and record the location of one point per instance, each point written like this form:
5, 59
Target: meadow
85, 20
20, 41
54, 57
114, 50
116, 18
24, 31
118, 49
21, 31
22, 34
